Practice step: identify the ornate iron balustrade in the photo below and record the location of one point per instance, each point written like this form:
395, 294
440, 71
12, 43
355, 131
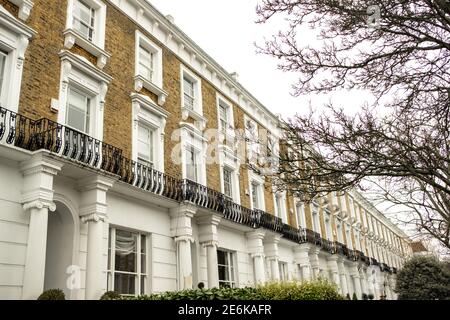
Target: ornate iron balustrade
374, 262
341, 248
268, 221
294, 234
239, 214
329, 246
26, 133
313, 238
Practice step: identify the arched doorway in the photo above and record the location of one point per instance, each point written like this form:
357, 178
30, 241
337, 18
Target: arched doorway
60, 249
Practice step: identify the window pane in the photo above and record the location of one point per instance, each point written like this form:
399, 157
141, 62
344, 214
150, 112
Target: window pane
78, 106
126, 246
191, 164
255, 196
125, 283
143, 281
145, 144
84, 19
223, 273
146, 59
189, 96
3, 56
227, 182
221, 257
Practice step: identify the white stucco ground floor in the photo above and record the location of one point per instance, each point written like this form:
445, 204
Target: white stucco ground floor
85, 231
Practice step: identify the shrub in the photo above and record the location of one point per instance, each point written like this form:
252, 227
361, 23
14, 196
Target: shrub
371, 296
348, 296
355, 297
317, 290
110, 295
365, 296
52, 294
423, 278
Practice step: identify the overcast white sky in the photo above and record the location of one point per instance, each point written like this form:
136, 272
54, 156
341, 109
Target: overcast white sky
226, 30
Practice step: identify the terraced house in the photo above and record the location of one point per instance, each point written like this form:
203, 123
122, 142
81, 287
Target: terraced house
105, 111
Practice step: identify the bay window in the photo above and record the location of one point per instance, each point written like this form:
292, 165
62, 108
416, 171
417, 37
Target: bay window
127, 262
225, 261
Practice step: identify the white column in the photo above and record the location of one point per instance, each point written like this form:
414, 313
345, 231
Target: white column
93, 211
208, 237
271, 252
256, 249
354, 272
343, 276
37, 200
302, 259
181, 231
333, 267
314, 260
363, 279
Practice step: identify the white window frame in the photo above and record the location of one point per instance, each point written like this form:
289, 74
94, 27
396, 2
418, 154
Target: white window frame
253, 148
97, 46
149, 114
197, 112
301, 214
227, 159
283, 270
79, 73
111, 260
315, 215
14, 40
280, 208
339, 232
232, 272
150, 158
230, 171
257, 179
228, 132
90, 107
327, 222
191, 137
154, 85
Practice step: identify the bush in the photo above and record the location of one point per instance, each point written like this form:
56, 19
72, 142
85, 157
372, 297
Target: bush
317, 290
52, 294
371, 296
348, 296
365, 296
355, 297
423, 278
110, 295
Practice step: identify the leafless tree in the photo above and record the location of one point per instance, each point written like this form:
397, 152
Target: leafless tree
399, 51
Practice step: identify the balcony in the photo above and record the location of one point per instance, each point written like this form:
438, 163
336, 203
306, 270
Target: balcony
43, 134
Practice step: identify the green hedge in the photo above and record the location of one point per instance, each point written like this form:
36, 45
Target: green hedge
317, 290
52, 294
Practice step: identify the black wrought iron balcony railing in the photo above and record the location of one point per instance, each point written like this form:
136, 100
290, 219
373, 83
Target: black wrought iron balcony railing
329, 246
44, 134
374, 262
394, 270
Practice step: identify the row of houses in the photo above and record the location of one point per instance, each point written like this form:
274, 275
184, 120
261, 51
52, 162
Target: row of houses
120, 168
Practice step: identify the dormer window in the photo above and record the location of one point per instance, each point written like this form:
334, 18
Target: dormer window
84, 19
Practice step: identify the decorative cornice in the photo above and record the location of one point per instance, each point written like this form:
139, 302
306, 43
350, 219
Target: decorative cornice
210, 243
8, 20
